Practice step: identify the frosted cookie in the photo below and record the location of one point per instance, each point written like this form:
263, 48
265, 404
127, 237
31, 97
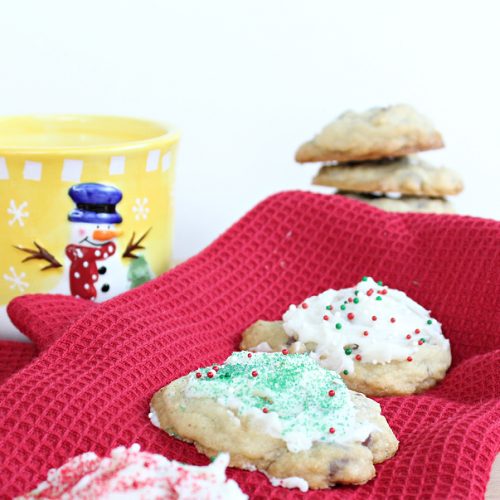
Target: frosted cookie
408, 175
379, 340
132, 474
281, 414
404, 203
377, 133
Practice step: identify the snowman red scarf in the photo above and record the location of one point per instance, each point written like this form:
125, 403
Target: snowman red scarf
83, 272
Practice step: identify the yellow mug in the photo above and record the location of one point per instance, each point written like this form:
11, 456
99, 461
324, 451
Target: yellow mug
85, 206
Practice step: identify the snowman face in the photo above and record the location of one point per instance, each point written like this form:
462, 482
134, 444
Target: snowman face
93, 235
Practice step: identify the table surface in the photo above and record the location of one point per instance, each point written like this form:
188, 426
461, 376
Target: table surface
493, 489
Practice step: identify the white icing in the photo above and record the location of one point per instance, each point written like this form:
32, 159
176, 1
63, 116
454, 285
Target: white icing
132, 474
153, 416
262, 347
386, 340
289, 482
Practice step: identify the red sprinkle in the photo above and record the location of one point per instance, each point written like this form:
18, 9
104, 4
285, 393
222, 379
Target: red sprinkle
284, 351
374, 318
408, 337
265, 410
210, 374
304, 305
350, 316
393, 320
420, 342
365, 333
249, 354
349, 299
331, 393
369, 292
254, 373
325, 317
358, 357
409, 358
332, 430
215, 367
198, 375
417, 330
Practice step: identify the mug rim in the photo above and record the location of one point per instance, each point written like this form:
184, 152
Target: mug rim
166, 133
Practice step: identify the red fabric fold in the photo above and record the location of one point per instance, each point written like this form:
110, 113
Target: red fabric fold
91, 388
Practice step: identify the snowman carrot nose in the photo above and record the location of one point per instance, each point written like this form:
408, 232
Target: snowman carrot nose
101, 235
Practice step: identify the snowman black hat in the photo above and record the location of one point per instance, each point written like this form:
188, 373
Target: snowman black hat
95, 203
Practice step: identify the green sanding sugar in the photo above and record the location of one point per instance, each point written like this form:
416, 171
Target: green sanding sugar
289, 395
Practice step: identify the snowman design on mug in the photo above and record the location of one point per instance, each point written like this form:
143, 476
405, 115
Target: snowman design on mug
96, 270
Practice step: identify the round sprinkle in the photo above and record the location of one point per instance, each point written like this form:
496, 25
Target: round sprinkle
379, 298
342, 307
304, 305
332, 430
429, 321
346, 372
329, 308
408, 337
254, 373
421, 341
331, 393
393, 320
350, 316
338, 326
349, 299
365, 333
409, 358
364, 278
369, 292
356, 292
210, 374
417, 330
215, 368
356, 300
374, 318
265, 410
379, 283
348, 351
358, 357
326, 318
284, 351
198, 375
249, 354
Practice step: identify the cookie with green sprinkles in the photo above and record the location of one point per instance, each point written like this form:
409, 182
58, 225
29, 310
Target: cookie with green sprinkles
377, 338
280, 413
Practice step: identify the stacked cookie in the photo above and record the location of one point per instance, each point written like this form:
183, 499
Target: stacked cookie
371, 157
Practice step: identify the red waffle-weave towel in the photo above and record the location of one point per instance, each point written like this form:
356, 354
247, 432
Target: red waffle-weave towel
90, 390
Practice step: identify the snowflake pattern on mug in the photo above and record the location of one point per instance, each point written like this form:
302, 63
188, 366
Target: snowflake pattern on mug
16, 280
141, 209
18, 213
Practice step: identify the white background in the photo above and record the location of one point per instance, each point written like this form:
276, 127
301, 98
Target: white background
247, 81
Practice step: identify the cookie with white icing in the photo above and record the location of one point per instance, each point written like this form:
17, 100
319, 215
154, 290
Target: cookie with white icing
135, 475
281, 414
377, 133
379, 340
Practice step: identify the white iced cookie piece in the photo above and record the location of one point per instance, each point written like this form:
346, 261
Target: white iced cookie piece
368, 323
132, 474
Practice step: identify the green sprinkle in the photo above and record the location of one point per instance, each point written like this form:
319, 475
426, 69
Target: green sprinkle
429, 321
329, 308
364, 278
378, 298
356, 300
422, 340
348, 351
342, 307
379, 283
338, 326
212, 459
345, 372
356, 292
